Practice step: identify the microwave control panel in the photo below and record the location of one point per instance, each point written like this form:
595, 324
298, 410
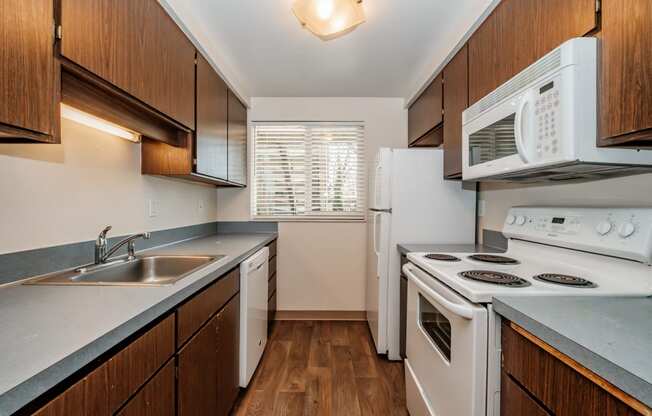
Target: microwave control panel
619, 232
547, 124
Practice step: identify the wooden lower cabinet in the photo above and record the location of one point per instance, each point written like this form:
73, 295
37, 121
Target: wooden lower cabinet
208, 365
149, 376
156, 398
539, 380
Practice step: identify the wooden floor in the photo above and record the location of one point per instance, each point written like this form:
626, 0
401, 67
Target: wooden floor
323, 368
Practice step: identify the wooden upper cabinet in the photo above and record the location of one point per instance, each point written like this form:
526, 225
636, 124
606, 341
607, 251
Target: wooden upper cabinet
456, 100
626, 72
28, 90
426, 112
237, 148
517, 33
136, 46
212, 119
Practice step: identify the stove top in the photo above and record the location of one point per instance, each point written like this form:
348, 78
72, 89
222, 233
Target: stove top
564, 279
493, 259
494, 278
441, 257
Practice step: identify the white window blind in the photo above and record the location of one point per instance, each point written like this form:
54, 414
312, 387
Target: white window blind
309, 171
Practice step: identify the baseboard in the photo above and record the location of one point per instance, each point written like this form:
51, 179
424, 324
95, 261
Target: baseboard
321, 315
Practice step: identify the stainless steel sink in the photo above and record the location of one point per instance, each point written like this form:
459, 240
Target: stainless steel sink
141, 271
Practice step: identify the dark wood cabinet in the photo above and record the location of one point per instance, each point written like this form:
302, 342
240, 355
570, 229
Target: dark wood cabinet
517, 33
516, 401
212, 121
156, 398
271, 285
456, 100
237, 148
228, 353
626, 73
88, 396
198, 369
425, 114
556, 381
211, 356
135, 46
28, 72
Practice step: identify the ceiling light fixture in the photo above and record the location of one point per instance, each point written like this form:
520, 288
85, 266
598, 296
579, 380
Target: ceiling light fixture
329, 19
89, 120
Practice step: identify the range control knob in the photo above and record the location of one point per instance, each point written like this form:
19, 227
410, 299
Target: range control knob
520, 220
510, 219
626, 229
604, 227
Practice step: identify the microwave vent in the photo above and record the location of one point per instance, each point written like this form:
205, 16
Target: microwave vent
543, 66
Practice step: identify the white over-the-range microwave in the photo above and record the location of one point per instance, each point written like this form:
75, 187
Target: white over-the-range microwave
542, 124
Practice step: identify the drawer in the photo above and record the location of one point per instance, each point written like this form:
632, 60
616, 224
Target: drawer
198, 310
271, 286
156, 398
515, 401
558, 386
272, 249
131, 367
272, 267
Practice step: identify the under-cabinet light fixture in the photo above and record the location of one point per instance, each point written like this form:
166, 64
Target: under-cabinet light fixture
89, 120
329, 19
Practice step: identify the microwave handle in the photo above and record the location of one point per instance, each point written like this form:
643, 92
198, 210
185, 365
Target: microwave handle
518, 126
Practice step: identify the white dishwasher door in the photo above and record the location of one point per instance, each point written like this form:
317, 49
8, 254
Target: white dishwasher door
253, 313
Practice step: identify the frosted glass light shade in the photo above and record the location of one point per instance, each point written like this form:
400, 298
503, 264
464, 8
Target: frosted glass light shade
329, 19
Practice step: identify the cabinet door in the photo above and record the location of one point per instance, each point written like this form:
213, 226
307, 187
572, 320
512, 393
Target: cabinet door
456, 100
89, 396
27, 70
198, 373
626, 72
237, 140
134, 45
426, 112
515, 401
228, 342
156, 398
517, 33
211, 132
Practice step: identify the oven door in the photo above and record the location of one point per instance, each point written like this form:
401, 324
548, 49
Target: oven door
446, 349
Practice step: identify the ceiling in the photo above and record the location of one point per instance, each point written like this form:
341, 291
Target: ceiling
261, 44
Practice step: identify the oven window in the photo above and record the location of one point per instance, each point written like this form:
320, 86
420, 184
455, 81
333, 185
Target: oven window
436, 325
493, 142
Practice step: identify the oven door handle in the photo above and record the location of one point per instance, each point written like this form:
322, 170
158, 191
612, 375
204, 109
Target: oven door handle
460, 309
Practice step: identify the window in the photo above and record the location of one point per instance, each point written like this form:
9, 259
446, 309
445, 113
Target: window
308, 171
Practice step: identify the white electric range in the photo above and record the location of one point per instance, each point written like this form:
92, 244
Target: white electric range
453, 335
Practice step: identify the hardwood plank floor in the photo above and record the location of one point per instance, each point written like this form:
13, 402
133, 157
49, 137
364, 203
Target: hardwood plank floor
323, 368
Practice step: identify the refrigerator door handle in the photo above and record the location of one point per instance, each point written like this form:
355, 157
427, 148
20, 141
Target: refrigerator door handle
381, 210
377, 216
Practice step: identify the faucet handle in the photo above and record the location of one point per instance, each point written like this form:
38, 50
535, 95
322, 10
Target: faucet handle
146, 236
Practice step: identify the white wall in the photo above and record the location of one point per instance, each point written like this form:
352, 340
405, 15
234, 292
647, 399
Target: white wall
57, 194
322, 266
627, 191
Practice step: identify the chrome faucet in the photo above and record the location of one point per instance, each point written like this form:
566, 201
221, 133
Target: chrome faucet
101, 246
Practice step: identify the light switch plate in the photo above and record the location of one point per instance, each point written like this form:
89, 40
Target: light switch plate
154, 207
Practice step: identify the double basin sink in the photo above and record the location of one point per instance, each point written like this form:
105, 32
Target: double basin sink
140, 271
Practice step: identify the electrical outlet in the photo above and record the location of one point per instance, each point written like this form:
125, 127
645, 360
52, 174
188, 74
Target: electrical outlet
482, 207
154, 207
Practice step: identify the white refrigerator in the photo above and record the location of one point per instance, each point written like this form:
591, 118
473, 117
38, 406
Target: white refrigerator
410, 203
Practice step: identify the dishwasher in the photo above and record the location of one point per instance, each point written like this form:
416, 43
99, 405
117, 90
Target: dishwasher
253, 312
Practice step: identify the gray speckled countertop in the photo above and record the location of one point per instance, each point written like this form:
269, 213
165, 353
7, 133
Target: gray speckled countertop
49, 332
610, 336
446, 248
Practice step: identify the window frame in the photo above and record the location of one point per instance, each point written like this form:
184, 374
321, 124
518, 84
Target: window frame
312, 217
